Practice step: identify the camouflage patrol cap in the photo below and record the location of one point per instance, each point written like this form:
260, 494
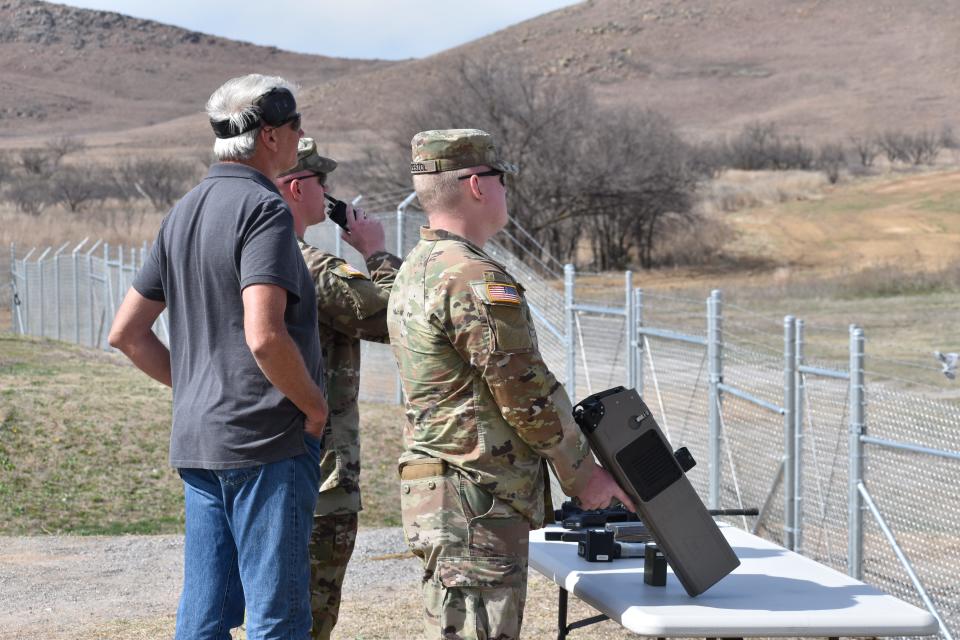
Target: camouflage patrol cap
309, 160
450, 149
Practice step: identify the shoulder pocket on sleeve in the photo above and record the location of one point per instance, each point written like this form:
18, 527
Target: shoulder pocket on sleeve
507, 316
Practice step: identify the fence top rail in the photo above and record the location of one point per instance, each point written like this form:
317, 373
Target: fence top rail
672, 335
826, 373
604, 311
652, 295
906, 446
749, 397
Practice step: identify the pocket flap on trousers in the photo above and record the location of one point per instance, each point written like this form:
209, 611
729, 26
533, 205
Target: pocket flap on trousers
478, 572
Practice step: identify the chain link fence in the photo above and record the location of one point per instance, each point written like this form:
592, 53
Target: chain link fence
855, 466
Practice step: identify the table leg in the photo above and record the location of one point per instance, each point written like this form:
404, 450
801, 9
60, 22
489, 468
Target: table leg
562, 627
562, 615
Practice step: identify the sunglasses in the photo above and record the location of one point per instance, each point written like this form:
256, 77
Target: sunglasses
491, 172
294, 120
322, 177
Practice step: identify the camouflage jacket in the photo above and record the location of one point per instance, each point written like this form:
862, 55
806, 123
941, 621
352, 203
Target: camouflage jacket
352, 307
478, 393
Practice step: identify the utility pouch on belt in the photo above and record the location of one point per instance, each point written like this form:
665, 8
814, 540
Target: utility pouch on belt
627, 440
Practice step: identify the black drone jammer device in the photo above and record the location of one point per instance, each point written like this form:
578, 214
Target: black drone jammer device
629, 444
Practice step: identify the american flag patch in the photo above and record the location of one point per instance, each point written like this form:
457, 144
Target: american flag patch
498, 292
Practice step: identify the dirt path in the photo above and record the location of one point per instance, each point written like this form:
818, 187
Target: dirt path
52, 586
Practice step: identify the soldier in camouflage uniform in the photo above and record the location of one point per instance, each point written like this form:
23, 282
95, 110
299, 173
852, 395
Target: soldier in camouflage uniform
484, 413
352, 307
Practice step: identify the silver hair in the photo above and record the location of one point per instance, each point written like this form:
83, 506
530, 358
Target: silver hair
439, 192
234, 101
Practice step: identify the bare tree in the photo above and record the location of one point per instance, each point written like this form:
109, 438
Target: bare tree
582, 169
538, 125
75, 188
640, 173
29, 194
923, 147
36, 162
831, 158
894, 146
5, 169
161, 181
865, 148
948, 138
760, 146
57, 148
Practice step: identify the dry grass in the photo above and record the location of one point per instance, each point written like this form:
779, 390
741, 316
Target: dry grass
130, 225
83, 446
83, 440
734, 190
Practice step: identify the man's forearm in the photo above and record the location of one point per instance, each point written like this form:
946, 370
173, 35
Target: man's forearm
149, 355
281, 362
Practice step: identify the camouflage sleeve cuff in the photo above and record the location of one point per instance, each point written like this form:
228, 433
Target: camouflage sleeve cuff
571, 456
574, 485
381, 259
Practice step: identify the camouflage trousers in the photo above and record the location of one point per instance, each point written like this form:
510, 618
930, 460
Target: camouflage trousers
331, 545
474, 553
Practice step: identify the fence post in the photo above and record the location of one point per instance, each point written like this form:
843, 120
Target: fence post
638, 352
789, 431
43, 328
120, 269
401, 210
26, 291
715, 364
107, 294
90, 289
856, 430
13, 279
76, 291
56, 289
798, 418
569, 279
630, 329
76, 294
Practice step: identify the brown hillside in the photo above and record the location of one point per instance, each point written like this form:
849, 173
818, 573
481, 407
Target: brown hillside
821, 68
72, 70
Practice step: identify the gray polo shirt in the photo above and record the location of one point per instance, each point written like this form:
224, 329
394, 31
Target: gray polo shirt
231, 231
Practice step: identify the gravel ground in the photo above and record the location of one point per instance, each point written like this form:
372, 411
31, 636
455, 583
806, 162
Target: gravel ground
50, 584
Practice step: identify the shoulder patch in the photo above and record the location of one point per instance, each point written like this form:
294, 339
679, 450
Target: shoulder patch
502, 293
347, 271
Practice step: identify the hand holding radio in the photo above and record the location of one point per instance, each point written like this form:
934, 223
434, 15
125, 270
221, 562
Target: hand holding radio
364, 234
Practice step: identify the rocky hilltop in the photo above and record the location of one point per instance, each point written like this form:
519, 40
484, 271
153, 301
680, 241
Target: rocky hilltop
69, 70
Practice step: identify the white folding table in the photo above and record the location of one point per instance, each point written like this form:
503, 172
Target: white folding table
774, 592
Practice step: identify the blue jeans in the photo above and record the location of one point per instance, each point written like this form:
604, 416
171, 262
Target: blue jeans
246, 545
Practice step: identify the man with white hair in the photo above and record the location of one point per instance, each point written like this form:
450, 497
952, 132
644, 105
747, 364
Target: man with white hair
246, 369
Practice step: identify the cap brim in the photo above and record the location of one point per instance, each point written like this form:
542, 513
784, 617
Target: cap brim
506, 167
